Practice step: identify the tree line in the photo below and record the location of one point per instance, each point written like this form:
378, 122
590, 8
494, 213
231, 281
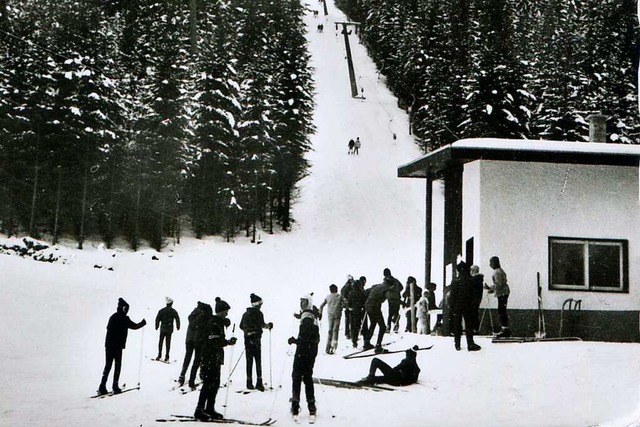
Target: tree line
131, 119
533, 69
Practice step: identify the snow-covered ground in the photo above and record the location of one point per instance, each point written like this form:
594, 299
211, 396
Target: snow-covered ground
354, 216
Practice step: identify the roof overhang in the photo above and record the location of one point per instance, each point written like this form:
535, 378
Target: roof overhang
433, 165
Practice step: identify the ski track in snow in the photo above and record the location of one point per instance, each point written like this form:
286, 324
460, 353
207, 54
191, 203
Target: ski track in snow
353, 216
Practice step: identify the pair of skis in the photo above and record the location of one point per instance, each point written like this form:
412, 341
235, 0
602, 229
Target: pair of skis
188, 418
541, 335
355, 385
111, 393
360, 354
532, 339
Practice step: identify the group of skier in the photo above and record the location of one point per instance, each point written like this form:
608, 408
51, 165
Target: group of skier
354, 146
206, 339
205, 343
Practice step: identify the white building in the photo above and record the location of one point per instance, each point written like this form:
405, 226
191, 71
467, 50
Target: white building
566, 212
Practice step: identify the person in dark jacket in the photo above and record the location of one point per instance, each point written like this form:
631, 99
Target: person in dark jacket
164, 320
190, 342
252, 324
373, 307
478, 289
405, 373
345, 293
212, 361
461, 306
200, 336
115, 341
305, 357
394, 300
357, 299
410, 298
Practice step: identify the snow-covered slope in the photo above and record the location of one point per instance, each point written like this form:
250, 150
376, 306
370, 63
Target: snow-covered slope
353, 216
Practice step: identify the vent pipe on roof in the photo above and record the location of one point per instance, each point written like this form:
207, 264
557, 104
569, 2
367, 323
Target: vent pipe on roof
597, 127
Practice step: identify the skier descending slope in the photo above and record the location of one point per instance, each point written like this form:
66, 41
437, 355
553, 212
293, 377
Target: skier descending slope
305, 358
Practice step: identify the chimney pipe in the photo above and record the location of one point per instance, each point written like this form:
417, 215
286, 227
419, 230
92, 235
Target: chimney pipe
597, 127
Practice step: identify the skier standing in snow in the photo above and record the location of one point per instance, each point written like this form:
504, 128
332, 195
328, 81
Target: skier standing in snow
190, 342
115, 341
461, 306
345, 292
405, 373
305, 357
357, 299
164, 320
411, 303
478, 283
356, 146
394, 299
333, 301
212, 360
501, 289
377, 295
200, 338
252, 324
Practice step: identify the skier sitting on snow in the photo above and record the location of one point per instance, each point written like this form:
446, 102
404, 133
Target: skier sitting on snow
405, 373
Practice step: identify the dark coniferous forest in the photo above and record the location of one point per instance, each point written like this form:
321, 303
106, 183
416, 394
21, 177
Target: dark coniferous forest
138, 119
132, 119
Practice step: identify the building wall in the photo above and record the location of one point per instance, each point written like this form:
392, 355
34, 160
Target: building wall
512, 208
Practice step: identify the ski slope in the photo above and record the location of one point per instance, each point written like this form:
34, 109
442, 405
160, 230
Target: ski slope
352, 216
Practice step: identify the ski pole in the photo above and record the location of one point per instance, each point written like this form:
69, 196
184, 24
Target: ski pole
226, 397
140, 359
490, 315
236, 364
270, 364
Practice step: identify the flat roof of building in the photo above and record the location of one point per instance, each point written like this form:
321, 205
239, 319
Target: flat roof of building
433, 164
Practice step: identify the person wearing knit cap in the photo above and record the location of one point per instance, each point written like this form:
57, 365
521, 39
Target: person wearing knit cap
305, 357
164, 320
405, 373
212, 361
252, 324
115, 341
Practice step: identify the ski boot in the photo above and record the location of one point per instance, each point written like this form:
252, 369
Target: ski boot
102, 390
474, 347
312, 412
380, 350
504, 333
250, 384
259, 385
116, 389
367, 346
295, 410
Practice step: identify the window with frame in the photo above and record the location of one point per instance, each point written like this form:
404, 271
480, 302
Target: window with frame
588, 264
